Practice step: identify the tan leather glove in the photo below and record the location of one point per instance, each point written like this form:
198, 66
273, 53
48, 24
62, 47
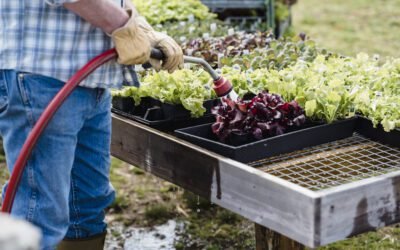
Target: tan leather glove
172, 51
132, 43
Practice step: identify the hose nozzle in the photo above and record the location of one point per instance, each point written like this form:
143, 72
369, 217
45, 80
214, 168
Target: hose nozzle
222, 86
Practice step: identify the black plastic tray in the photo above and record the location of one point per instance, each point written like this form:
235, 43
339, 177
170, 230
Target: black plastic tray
161, 116
127, 105
366, 128
154, 118
202, 136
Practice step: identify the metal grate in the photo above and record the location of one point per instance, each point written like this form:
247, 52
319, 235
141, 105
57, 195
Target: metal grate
332, 164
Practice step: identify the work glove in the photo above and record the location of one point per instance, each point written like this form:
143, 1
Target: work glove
132, 43
172, 51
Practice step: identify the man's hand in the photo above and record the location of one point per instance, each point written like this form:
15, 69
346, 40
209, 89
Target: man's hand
131, 43
171, 50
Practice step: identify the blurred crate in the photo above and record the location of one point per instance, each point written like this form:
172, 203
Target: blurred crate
245, 13
219, 5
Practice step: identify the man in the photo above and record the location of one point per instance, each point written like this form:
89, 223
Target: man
65, 186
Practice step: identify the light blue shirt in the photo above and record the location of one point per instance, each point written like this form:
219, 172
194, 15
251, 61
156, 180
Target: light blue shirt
42, 37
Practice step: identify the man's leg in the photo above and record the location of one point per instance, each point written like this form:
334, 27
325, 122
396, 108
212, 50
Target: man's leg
91, 191
42, 197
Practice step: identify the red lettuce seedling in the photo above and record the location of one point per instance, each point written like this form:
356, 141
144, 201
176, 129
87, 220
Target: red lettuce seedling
263, 116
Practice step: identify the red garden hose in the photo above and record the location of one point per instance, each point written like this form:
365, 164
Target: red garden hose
221, 86
44, 119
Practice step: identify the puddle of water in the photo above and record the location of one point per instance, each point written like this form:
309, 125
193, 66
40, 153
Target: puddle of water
162, 237
159, 237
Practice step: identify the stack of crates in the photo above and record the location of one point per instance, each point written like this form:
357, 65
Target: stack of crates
246, 11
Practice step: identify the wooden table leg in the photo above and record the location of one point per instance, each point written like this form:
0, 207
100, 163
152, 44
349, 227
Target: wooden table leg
267, 239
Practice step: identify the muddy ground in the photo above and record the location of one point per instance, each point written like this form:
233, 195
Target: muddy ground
146, 201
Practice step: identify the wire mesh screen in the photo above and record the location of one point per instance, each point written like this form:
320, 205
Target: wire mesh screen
332, 164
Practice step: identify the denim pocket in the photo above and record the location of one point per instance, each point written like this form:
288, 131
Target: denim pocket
37, 90
3, 93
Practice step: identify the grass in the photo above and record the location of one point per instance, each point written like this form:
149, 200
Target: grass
351, 26
211, 227
159, 213
385, 238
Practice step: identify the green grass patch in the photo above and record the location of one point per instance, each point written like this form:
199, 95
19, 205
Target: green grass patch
350, 27
385, 239
121, 202
217, 228
195, 202
136, 171
159, 213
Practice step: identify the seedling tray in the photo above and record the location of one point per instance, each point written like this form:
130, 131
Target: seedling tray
154, 118
306, 137
366, 128
127, 105
161, 116
179, 111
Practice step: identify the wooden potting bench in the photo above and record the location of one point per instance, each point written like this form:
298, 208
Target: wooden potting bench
303, 199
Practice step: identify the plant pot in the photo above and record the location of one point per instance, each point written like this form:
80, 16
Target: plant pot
249, 150
150, 102
163, 116
154, 118
179, 111
146, 103
174, 112
125, 104
154, 114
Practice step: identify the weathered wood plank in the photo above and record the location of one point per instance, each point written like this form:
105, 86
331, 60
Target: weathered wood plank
267, 200
267, 239
358, 207
157, 154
